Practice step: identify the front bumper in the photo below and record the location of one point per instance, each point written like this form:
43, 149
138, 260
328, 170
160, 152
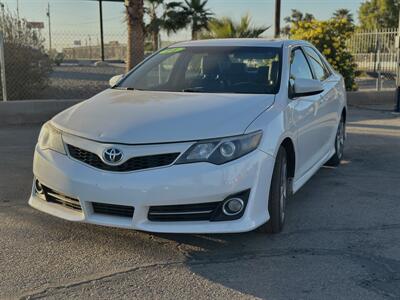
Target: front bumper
173, 185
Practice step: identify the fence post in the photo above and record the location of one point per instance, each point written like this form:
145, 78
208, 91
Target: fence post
398, 68
378, 69
3, 67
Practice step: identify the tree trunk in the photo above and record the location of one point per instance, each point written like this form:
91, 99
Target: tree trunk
277, 26
154, 37
135, 49
194, 32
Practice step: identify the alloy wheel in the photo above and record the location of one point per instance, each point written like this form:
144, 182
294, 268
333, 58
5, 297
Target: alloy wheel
283, 191
340, 139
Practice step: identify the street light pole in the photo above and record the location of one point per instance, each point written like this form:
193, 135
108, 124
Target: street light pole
277, 27
48, 15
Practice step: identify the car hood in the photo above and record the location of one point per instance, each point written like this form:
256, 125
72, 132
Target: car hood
142, 117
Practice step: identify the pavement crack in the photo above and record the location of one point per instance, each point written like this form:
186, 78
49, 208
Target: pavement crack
381, 270
51, 288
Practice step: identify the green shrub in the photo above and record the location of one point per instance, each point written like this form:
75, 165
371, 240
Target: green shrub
330, 37
26, 62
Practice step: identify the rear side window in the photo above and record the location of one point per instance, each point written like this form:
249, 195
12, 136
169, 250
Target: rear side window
299, 67
320, 69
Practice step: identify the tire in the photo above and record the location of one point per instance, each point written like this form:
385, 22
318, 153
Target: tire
278, 195
335, 160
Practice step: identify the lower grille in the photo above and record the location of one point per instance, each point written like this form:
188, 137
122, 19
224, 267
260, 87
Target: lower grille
187, 212
113, 209
56, 197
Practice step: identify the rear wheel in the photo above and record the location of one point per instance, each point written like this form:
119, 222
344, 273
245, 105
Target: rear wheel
339, 144
278, 195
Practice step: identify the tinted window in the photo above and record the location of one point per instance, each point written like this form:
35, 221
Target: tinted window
252, 70
320, 70
299, 67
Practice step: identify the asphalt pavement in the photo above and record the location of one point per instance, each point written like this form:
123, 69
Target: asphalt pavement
341, 239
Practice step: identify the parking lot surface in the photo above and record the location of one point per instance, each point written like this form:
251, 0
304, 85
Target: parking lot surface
341, 239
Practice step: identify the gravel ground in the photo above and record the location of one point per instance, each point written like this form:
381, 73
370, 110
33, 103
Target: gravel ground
341, 240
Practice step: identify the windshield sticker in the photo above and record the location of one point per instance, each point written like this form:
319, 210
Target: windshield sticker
172, 50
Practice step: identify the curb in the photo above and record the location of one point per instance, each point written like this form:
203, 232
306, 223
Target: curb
31, 111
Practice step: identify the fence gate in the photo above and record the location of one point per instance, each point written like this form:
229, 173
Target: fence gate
376, 56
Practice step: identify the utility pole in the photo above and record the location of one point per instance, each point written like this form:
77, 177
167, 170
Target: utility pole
48, 16
398, 68
3, 68
2, 60
18, 9
101, 29
3, 17
277, 27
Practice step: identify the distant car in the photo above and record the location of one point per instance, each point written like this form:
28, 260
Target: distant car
205, 136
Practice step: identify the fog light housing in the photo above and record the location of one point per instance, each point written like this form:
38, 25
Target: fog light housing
38, 187
233, 206
38, 190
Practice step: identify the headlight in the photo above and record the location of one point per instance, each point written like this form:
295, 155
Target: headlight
220, 151
50, 138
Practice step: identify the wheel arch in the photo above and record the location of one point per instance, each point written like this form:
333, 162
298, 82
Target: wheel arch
288, 145
344, 114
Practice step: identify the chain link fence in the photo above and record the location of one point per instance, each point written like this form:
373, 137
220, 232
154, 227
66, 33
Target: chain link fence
63, 65
376, 56
72, 68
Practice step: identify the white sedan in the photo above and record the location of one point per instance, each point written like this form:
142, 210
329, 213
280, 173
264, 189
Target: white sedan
207, 136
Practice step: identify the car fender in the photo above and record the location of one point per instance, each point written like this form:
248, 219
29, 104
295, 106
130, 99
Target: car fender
276, 126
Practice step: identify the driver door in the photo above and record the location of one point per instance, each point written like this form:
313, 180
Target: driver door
307, 117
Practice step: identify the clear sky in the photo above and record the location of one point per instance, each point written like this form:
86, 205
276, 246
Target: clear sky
78, 19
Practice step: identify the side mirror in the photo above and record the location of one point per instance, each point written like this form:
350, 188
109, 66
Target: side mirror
306, 87
114, 80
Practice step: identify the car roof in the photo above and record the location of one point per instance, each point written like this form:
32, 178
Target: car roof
255, 42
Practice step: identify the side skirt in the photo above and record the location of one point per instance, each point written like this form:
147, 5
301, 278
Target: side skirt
297, 184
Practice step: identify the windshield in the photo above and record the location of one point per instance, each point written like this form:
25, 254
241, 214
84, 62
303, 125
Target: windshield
250, 70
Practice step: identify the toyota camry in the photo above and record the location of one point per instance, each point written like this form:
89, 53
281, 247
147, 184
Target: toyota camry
207, 136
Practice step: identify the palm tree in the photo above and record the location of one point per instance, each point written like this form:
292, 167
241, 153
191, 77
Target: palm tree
197, 15
134, 17
172, 19
343, 13
227, 28
295, 18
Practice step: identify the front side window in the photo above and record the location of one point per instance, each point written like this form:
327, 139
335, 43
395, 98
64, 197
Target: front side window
299, 67
209, 70
320, 70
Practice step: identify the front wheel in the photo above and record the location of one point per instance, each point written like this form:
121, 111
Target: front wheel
339, 144
277, 195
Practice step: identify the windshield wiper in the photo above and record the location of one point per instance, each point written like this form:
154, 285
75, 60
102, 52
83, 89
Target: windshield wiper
192, 90
123, 88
